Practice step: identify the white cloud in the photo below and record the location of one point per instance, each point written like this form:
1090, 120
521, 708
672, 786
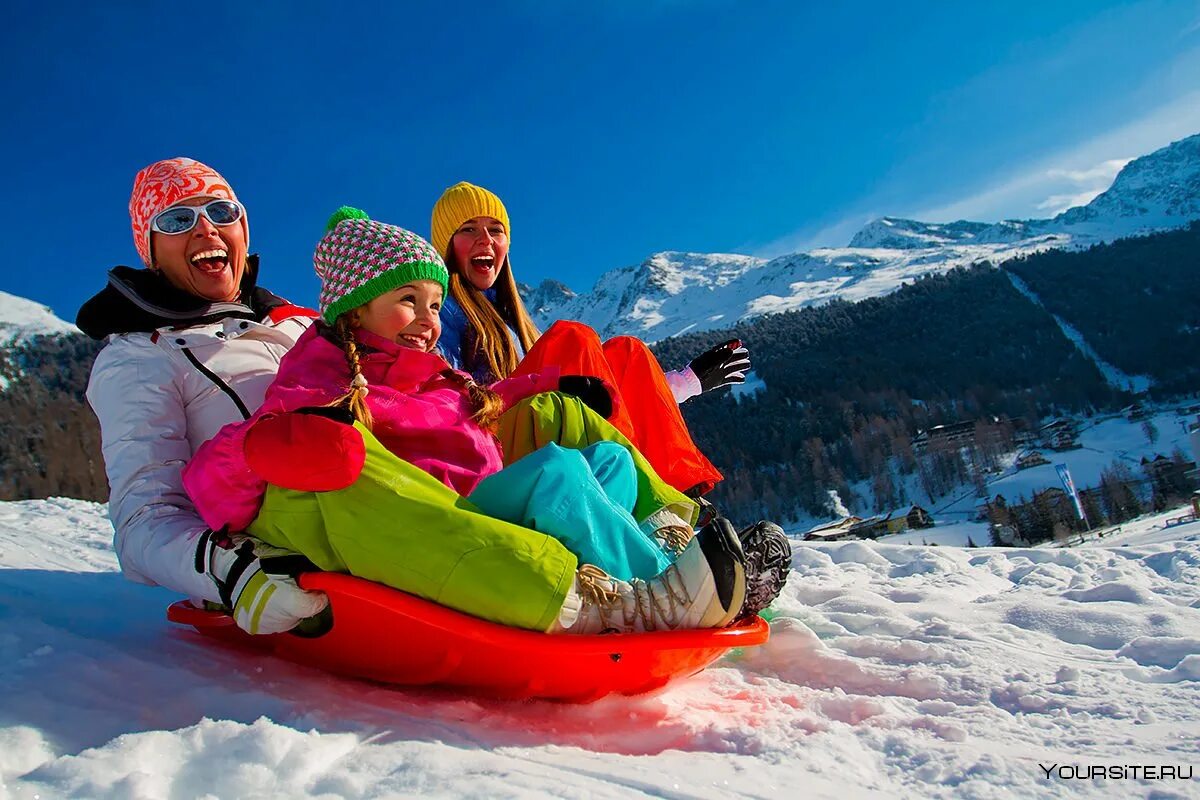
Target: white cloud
1057, 203
1073, 173
1085, 184
831, 234
1105, 171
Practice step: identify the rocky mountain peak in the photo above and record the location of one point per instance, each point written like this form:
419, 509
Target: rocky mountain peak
1157, 190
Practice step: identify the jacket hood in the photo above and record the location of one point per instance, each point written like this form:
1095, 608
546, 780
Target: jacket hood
140, 300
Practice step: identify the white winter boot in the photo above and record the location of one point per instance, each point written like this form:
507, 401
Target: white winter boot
704, 588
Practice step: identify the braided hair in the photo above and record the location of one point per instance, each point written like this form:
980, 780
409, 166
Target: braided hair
355, 398
487, 405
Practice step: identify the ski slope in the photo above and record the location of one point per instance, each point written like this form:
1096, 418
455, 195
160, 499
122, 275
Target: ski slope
893, 671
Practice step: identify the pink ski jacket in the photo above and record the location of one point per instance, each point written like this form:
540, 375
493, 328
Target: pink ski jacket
421, 414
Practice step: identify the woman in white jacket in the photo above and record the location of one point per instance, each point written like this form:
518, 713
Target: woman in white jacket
192, 344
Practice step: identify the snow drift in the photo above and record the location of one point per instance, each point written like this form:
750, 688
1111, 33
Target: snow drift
893, 671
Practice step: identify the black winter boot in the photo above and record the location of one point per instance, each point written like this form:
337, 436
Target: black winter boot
768, 562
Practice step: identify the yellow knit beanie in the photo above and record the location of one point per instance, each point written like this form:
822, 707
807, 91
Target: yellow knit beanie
459, 203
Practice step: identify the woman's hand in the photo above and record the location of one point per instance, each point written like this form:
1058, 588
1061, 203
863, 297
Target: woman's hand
723, 365
258, 584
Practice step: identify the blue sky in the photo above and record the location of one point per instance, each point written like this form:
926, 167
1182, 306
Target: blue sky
611, 133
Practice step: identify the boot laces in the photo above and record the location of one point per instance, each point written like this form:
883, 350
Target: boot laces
595, 586
597, 589
665, 603
649, 603
674, 537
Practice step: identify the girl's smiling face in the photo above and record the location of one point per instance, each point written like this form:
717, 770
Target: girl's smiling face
479, 248
407, 316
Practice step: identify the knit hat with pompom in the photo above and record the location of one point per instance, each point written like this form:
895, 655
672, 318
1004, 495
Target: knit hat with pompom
359, 259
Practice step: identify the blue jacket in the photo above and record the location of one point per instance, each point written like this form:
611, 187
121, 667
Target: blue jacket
455, 339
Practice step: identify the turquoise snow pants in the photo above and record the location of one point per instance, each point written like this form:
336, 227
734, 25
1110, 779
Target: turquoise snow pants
583, 498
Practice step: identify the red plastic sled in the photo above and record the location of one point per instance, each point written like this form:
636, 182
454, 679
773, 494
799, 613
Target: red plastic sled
390, 636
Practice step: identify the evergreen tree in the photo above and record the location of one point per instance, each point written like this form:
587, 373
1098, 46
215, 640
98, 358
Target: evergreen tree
1150, 430
1117, 486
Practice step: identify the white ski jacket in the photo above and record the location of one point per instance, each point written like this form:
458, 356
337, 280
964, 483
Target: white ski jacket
159, 395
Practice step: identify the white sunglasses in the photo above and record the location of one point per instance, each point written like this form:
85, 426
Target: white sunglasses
181, 219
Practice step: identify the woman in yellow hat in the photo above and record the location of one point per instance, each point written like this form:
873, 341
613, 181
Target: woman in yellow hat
487, 331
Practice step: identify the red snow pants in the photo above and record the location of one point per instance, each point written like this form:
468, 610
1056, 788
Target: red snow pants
644, 410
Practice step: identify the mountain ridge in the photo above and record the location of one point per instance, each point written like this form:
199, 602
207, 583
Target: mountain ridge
672, 292
675, 292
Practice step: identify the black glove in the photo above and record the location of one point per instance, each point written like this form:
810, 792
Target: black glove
592, 391
723, 365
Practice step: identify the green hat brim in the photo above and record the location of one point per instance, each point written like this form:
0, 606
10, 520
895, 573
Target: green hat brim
382, 284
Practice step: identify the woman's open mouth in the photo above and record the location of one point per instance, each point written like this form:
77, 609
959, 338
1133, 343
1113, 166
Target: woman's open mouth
483, 263
211, 262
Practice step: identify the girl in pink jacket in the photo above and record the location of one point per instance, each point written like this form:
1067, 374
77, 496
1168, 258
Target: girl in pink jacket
382, 289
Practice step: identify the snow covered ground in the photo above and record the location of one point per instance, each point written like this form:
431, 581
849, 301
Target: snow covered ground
956, 534
892, 671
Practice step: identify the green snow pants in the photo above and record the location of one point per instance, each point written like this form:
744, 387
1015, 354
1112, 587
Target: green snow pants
400, 526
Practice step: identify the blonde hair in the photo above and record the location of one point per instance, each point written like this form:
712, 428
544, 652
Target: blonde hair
355, 398
487, 405
488, 339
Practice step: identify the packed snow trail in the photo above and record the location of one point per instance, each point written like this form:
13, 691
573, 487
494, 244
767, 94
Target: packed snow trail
893, 671
1114, 376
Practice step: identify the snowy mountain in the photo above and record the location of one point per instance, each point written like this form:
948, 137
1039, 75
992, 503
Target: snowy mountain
1154, 192
672, 293
892, 671
548, 294
51, 440
21, 319
1161, 190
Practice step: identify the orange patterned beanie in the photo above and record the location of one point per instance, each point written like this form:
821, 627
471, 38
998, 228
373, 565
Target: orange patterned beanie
166, 183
